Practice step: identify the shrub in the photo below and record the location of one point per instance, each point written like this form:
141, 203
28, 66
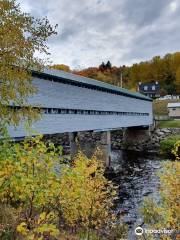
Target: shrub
165, 213
8, 218
28, 180
49, 196
168, 144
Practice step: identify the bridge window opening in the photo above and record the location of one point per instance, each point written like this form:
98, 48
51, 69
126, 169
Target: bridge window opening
71, 111
81, 111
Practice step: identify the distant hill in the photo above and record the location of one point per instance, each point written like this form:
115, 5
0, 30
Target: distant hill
165, 70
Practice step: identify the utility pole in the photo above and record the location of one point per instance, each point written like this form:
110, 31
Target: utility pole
121, 80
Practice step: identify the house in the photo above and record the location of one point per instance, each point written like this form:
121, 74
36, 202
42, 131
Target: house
149, 89
174, 110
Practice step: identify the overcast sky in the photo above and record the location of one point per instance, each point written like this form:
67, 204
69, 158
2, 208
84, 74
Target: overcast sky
122, 31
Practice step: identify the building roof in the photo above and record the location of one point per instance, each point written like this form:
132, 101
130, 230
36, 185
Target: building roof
70, 77
172, 105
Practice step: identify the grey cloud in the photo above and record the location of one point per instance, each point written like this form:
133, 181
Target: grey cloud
143, 12
122, 31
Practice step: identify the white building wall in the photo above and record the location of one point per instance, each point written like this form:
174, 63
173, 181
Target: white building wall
174, 112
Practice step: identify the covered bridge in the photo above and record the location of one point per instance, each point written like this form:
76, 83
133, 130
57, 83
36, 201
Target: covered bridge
72, 103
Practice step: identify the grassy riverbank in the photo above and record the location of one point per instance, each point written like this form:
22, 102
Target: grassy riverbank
169, 124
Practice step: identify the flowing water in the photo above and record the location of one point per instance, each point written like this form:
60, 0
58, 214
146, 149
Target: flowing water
136, 175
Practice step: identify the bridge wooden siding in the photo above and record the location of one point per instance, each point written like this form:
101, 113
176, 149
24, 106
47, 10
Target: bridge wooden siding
71, 103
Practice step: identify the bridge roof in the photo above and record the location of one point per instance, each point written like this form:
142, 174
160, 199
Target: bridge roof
59, 75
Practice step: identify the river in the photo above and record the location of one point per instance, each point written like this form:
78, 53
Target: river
135, 173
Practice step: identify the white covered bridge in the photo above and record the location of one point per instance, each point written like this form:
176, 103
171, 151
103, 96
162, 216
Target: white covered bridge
71, 103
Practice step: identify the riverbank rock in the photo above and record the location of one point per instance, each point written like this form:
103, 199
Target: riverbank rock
154, 142
117, 143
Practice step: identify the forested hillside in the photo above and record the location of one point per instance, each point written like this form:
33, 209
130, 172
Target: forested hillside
165, 69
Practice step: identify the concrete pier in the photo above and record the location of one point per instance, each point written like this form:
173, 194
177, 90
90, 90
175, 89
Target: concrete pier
73, 144
105, 147
136, 134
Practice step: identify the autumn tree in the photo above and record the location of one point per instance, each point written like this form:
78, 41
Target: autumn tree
102, 67
21, 36
108, 65
61, 67
177, 81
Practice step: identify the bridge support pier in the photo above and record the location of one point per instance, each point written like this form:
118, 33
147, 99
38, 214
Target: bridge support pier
105, 146
73, 144
133, 135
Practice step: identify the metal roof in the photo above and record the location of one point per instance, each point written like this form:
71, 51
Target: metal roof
58, 74
171, 105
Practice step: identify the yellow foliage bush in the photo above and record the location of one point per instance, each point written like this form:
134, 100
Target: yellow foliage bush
166, 213
86, 195
49, 195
